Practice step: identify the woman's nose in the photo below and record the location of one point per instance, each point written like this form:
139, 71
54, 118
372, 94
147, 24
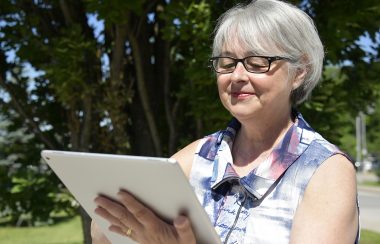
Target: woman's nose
240, 73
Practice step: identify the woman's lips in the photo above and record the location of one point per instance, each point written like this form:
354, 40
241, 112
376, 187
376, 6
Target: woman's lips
242, 95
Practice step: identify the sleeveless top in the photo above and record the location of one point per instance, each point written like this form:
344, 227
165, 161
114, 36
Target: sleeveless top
259, 207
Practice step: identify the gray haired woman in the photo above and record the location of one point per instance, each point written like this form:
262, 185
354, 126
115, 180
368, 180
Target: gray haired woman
268, 177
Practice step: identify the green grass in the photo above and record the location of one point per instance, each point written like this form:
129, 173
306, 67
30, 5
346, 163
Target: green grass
70, 232
67, 232
371, 183
369, 237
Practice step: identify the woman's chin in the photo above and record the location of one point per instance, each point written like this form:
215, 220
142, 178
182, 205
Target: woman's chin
244, 114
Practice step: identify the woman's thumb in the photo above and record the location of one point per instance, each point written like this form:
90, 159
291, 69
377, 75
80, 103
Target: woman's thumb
184, 230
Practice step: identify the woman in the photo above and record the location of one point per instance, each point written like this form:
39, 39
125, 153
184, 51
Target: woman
269, 177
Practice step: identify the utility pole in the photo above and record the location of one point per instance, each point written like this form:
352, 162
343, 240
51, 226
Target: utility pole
358, 141
361, 143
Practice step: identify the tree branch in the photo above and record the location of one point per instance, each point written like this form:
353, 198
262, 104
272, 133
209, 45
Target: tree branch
66, 12
170, 119
32, 125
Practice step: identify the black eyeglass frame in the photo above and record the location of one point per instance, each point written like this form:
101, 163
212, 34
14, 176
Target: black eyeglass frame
270, 59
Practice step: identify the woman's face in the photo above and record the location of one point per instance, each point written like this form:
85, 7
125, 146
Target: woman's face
248, 95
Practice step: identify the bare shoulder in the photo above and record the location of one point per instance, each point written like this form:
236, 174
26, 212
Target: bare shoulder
328, 211
185, 157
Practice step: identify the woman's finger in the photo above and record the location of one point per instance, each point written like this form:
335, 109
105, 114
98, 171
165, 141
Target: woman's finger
184, 230
116, 214
123, 231
109, 217
143, 214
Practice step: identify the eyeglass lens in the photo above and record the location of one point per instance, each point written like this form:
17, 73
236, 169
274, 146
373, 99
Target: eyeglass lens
252, 64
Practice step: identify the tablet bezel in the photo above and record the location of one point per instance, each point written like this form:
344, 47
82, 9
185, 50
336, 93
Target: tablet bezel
87, 175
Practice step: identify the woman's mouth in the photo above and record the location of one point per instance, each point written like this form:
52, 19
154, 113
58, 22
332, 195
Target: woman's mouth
242, 95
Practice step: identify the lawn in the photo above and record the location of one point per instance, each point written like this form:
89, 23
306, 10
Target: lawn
67, 232
369, 237
371, 183
70, 232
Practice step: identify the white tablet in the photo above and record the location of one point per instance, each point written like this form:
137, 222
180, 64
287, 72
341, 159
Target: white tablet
158, 182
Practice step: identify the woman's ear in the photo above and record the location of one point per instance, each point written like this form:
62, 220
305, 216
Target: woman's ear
299, 77
301, 73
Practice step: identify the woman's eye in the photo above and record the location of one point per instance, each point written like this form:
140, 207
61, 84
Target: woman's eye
227, 65
256, 63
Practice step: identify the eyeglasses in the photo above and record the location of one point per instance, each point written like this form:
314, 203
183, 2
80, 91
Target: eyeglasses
253, 64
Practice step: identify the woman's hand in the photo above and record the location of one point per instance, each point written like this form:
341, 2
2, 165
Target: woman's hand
131, 218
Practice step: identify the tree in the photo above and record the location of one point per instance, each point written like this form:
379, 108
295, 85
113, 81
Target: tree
131, 77
373, 129
104, 93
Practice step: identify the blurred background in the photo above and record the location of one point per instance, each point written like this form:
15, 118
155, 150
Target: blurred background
132, 77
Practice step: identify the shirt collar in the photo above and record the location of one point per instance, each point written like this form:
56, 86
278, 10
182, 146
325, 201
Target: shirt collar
258, 182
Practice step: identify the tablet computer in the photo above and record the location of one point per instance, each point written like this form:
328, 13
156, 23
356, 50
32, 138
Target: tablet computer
158, 182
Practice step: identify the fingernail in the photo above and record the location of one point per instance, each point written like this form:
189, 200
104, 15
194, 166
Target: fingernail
180, 221
122, 192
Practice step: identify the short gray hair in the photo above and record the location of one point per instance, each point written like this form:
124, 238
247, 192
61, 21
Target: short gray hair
272, 27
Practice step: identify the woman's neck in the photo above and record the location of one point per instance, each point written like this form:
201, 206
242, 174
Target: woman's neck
256, 139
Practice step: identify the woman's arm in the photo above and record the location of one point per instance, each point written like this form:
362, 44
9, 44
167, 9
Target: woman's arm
185, 157
328, 212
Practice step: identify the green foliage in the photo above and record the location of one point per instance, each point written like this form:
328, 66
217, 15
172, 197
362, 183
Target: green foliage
327, 99
30, 194
373, 129
189, 20
83, 92
197, 83
340, 23
66, 70
114, 11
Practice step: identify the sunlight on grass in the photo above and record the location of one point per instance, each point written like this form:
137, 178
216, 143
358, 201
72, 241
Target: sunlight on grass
70, 232
371, 183
67, 232
369, 237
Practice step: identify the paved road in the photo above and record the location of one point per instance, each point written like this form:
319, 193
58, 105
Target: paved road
369, 203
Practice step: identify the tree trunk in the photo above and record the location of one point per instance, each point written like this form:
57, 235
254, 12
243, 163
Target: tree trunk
143, 93
86, 226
